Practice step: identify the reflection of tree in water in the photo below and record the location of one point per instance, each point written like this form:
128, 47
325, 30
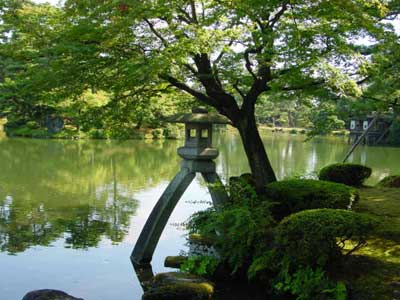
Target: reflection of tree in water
291, 156
79, 191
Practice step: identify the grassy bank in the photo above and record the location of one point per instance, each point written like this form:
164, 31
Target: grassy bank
374, 272
71, 132
297, 130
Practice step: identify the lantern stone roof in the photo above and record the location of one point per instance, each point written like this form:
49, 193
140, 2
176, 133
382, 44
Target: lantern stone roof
199, 116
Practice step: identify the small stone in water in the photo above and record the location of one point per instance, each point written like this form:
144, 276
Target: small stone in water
179, 286
48, 295
175, 261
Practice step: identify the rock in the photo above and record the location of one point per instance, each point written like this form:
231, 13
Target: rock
199, 239
178, 286
49, 295
199, 245
395, 284
175, 261
390, 182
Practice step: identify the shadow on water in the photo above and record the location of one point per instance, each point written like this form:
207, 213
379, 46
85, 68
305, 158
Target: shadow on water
237, 291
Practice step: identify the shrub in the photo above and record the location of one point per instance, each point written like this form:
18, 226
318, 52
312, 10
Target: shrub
157, 133
32, 124
97, 134
200, 265
242, 231
318, 237
244, 225
306, 284
350, 174
171, 132
290, 196
390, 182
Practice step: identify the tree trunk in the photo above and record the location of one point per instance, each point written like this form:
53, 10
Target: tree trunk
255, 151
290, 119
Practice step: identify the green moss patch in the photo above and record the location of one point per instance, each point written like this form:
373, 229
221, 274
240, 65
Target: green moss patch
374, 273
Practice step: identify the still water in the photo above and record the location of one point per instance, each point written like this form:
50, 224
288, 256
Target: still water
71, 211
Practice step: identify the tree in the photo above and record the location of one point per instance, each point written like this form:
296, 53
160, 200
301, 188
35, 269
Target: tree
225, 53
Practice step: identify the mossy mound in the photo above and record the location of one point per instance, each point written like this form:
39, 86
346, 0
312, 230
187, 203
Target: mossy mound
390, 182
349, 174
178, 286
317, 237
291, 196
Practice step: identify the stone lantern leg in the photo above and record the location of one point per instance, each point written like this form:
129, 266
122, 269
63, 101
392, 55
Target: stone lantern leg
198, 155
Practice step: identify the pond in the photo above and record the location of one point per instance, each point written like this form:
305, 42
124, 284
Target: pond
71, 211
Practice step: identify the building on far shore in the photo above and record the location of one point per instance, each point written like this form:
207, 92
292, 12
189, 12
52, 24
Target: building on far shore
376, 135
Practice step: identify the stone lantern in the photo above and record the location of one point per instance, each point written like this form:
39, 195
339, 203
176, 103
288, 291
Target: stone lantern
198, 155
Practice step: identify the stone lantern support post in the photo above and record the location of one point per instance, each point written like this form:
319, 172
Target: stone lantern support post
198, 156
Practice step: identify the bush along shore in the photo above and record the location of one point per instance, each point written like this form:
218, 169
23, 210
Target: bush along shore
331, 239
34, 130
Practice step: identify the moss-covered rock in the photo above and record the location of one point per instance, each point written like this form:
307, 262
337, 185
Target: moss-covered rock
179, 286
175, 261
200, 245
349, 174
390, 182
200, 240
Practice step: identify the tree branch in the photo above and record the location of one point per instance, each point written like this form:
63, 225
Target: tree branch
278, 15
156, 33
184, 87
194, 14
236, 87
302, 87
248, 62
221, 54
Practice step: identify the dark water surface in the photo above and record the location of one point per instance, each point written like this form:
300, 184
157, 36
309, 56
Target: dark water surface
71, 211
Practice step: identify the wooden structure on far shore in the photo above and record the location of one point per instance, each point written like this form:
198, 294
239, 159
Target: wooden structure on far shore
377, 127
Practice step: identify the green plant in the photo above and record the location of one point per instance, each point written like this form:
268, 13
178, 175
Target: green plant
350, 174
240, 229
390, 181
318, 237
307, 284
157, 133
202, 265
32, 124
294, 195
97, 134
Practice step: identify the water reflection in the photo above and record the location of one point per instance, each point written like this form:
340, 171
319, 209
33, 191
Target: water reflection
291, 156
85, 191
80, 191
80, 205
